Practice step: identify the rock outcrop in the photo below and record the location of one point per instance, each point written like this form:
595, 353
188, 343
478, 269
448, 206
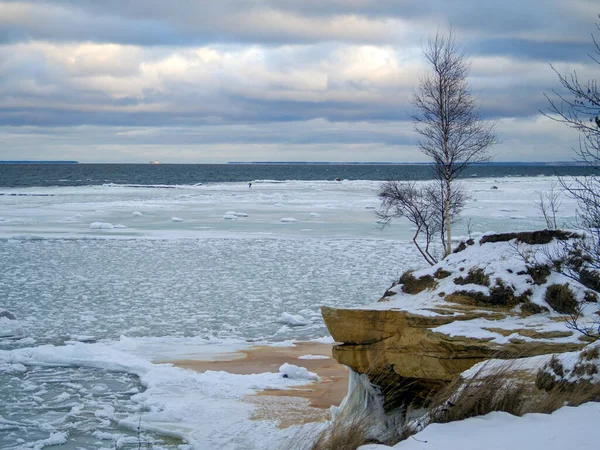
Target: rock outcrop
497, 298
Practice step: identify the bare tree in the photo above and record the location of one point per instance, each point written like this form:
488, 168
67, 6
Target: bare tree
423, 206
578, 106
447, 119
549, 204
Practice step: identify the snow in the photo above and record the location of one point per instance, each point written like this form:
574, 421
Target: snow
313, 357
566, 428
297, 373
101, 226
293, 320
505, 263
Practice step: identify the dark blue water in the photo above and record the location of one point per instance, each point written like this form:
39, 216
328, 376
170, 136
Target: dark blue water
25, 175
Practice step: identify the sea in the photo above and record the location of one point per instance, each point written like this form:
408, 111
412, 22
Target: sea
110, 272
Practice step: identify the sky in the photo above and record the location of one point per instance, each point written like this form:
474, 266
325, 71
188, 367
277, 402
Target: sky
212, 81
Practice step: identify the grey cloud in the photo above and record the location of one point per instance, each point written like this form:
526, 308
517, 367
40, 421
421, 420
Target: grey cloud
269, 22
534, 51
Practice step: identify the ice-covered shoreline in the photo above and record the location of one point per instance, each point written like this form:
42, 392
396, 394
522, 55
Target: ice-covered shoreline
198, 408
181, 288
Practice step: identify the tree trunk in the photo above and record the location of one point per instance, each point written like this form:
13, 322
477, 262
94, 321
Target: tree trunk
447, 218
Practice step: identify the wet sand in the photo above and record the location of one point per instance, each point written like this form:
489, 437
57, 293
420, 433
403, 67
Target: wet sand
302, 404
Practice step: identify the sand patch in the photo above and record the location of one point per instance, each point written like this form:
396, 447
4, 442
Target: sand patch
303, 404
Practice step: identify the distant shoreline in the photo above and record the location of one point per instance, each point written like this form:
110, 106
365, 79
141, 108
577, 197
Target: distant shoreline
357, 163
39, 162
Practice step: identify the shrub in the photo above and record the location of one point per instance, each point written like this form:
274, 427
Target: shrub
531, 308
539, 273
530, 237
412, 285
475, 276
561, 298
441, 273
500, 295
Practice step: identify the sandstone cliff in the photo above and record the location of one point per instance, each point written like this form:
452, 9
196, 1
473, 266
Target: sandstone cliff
498, 297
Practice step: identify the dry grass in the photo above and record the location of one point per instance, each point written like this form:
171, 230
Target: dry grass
475, 397
502, 389
561, 298
345, 435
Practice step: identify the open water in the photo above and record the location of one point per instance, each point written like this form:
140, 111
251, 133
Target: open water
21, 175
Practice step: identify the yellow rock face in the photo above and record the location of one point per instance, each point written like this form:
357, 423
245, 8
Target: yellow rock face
375, 340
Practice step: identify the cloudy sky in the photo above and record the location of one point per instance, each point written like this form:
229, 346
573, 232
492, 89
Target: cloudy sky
201, 81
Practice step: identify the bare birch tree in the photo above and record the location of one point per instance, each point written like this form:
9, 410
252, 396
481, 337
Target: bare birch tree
447, 119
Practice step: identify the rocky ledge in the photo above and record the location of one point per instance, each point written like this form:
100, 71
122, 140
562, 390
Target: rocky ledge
503, 296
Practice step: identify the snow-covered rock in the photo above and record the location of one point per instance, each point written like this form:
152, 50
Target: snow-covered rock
497, 294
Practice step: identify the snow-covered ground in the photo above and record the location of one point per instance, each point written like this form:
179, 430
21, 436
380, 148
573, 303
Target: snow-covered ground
105, 284
567, 428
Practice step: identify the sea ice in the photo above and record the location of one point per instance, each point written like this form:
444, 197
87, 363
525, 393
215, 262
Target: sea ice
313, 357
297, 373
10, 328
136, 214
294, 320
12, 368
176, 219
101, 226
288, 220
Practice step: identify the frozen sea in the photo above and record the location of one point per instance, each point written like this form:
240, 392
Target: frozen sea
108, 281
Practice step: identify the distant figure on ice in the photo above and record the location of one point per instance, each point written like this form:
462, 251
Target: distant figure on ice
249, 185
